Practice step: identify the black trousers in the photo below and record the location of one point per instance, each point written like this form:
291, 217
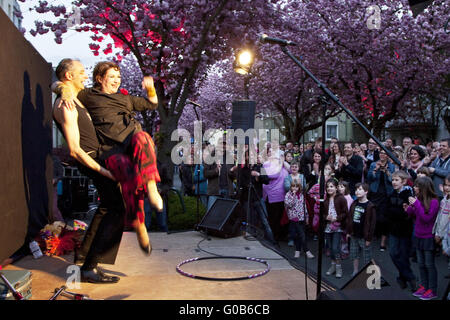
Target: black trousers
275, 212
102, 240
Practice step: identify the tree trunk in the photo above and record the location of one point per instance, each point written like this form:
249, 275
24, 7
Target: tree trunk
164, 143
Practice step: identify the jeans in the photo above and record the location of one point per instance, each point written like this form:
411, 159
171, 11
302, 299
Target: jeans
399, 249
161, 217
334, 242
297, 229
427, 269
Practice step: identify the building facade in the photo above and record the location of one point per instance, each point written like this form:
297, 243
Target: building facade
12, 9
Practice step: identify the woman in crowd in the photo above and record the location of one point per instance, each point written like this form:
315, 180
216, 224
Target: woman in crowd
380, 182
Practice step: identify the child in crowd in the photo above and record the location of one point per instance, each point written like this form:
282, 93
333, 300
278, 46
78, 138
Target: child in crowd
294, 203
441, 225
294, 175
314, 194
423, 172
344, 189
424, 208
336, 210
360, 226
446, 244
400, 229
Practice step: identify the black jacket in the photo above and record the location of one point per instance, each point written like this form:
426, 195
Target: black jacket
113, 117
243, 181
352, 173
400, 224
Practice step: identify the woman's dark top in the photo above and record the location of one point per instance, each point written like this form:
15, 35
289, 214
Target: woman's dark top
113, 117
88, 137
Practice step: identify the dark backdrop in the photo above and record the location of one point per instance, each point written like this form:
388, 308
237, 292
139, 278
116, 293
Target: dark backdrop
25, 140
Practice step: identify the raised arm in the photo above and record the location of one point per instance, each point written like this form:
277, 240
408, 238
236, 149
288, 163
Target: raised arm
149, 86
69, 122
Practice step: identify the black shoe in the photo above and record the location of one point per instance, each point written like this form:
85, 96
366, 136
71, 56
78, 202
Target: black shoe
401, 283
412, 285
97, 276
78, 258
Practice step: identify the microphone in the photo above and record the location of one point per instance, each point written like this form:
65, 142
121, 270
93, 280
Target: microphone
194, 103
264, 38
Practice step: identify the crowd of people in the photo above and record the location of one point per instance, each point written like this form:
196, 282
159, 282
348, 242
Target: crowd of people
403, 203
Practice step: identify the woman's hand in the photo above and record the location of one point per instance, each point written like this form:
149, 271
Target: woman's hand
411, 200
148, 84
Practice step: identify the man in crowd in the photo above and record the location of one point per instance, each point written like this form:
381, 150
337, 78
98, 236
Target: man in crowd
440, 167
350, 167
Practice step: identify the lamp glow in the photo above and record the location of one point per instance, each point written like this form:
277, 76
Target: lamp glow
243, 62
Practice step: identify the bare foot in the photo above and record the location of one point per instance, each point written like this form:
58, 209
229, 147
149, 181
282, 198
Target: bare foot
153, 195
142, 236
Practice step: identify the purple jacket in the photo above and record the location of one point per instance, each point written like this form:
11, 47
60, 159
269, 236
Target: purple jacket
274, 191
424, 221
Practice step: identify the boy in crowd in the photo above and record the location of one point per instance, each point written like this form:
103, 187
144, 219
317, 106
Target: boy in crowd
361, 226
401, 229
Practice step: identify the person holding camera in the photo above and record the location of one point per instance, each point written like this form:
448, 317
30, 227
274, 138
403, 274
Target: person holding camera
379, 179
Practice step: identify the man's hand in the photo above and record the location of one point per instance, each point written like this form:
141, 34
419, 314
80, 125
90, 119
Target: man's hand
367, 243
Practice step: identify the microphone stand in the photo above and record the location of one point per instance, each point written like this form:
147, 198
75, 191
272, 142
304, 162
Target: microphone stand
330, 94
198, 192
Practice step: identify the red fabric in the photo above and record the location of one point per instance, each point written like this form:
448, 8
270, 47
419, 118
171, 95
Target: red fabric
144, 159
134, 174
284, 219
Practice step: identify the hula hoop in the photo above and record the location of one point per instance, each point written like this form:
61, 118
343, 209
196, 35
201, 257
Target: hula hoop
193, 276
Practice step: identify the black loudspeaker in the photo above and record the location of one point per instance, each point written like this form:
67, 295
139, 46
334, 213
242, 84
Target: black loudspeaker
223, 219
417, 6
363, 286
243, 115
75, 196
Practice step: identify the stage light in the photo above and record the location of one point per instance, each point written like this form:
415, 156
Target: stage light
243, 62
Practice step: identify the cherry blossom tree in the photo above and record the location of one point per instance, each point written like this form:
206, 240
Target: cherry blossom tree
380, 71
173, 40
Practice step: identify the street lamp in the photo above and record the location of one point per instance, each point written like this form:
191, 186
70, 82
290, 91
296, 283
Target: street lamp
242, 65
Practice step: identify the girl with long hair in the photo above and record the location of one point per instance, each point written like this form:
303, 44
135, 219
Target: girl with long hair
424, 209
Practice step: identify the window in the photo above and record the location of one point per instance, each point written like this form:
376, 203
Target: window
331, 130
